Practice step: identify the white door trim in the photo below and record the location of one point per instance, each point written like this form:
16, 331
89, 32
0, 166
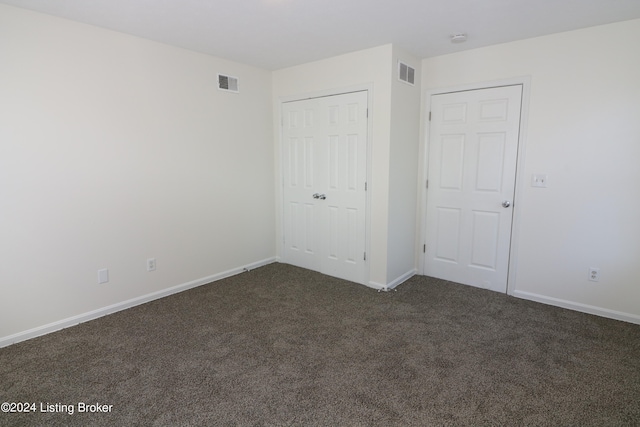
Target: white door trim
280, 155
525, 81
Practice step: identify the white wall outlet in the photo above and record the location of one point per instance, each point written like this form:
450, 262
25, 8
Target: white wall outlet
594, 274
103, 276
151, 264
539, 180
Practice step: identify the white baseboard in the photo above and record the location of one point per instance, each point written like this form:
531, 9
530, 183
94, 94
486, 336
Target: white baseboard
81, 318
399, 280
403, 278
584, 308
375, 285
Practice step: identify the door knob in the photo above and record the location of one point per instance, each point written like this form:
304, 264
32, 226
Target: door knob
323, 196
506, 204
316, 196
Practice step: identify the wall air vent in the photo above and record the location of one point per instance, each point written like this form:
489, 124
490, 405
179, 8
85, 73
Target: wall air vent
406, 73
228, 83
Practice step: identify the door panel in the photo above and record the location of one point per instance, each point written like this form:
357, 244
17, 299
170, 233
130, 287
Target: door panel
484, 239
473, 145
299, 162
331, 165
489, 160
448, 235
452, 149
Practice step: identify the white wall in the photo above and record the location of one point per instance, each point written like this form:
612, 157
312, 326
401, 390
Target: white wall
584, 133
114, 149
367, 67
403, 171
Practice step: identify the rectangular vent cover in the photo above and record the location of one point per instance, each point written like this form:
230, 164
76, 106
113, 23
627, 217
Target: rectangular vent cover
228, 83
406, 73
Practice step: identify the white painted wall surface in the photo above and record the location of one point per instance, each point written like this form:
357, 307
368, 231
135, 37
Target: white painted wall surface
584, 133
115, 149
367, 67
403, 171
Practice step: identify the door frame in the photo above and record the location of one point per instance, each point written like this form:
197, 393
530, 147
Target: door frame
279, 171
525, 81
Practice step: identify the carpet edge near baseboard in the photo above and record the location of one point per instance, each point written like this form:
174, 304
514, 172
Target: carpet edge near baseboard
584, 308
104, 311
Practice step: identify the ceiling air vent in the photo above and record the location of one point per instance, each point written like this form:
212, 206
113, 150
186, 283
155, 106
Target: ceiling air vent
228, 83
406, 73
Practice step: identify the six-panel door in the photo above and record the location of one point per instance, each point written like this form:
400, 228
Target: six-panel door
473, 146
324, 168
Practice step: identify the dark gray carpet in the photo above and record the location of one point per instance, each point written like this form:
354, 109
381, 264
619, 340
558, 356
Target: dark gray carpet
284, 346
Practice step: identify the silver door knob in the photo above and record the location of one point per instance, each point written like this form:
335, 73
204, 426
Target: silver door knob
506, 204
316, 196
323, 196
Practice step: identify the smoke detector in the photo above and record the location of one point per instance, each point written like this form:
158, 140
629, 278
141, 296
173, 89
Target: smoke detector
458, 38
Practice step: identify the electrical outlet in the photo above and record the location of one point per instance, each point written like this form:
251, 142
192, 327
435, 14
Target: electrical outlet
151, 264
103, 276
539, 180
594, 274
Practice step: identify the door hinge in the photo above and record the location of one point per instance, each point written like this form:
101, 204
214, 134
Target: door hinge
429, 115
424, 249
365, 256
365, 186
427, 183
367, 113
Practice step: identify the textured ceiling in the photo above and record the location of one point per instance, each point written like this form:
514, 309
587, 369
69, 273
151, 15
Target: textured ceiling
274, 34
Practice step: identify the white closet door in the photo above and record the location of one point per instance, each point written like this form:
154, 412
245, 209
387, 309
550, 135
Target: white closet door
324, 168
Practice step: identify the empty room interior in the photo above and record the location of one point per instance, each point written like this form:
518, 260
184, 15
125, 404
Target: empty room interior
300, 212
